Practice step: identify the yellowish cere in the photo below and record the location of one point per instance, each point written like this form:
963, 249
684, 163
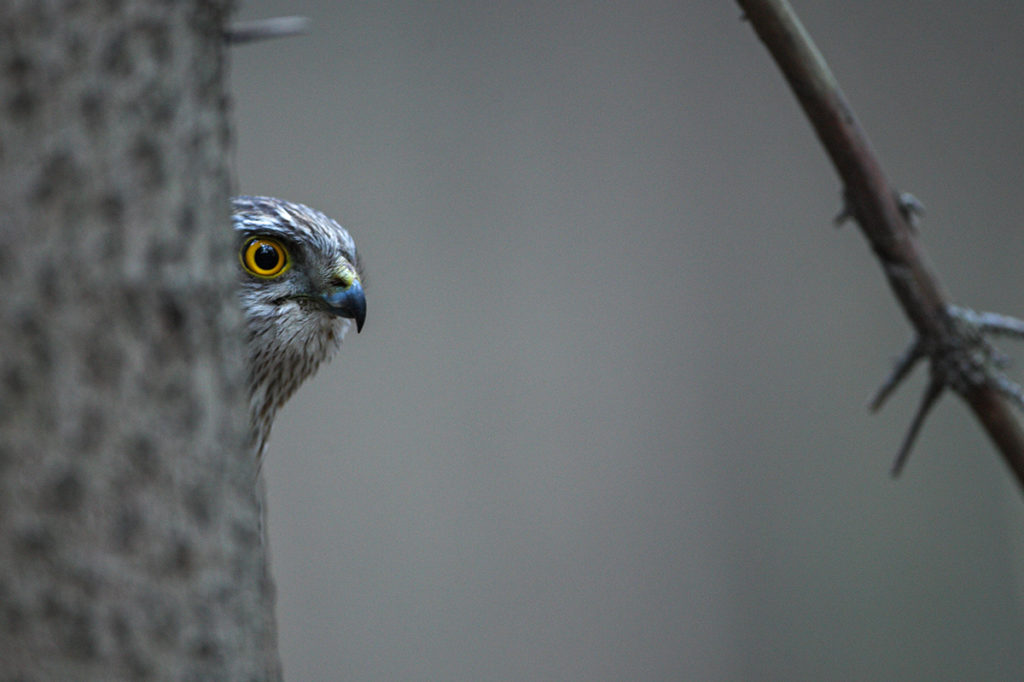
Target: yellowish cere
346, 275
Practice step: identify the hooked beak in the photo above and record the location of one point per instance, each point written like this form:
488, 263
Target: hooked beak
346, 299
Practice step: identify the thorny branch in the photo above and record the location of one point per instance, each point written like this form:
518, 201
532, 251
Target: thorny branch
951, 338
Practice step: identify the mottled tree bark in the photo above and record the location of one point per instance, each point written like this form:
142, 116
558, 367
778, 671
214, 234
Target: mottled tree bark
129, 533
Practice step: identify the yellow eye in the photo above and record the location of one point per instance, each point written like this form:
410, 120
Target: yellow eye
264, 257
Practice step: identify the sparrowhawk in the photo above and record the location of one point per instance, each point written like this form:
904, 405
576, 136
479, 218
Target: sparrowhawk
301, 290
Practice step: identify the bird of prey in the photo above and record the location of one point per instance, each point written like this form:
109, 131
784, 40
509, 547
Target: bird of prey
301, 290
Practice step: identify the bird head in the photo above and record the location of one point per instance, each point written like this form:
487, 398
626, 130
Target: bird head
297, 264
301, 290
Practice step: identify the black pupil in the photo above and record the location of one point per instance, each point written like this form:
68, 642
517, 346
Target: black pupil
266, 257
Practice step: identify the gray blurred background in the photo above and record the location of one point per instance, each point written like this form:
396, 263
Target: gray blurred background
606, 419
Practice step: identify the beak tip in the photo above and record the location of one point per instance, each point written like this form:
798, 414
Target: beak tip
347, 302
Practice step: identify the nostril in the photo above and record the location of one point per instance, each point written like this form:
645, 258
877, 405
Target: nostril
340, 283
343, 278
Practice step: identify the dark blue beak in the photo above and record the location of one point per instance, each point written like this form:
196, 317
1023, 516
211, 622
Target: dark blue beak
347, 301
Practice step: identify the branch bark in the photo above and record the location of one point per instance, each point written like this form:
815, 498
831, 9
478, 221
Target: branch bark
877, 207
129, 529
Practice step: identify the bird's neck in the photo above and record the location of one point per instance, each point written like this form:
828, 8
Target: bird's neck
279, 364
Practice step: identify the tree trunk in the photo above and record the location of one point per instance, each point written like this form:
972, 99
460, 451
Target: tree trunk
129, 530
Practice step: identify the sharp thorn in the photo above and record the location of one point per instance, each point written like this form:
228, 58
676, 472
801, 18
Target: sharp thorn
844, 214
264, 29
928, 400
910, 206
901, 369
1002, 325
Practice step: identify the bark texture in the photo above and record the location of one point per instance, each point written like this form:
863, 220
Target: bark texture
129, 532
